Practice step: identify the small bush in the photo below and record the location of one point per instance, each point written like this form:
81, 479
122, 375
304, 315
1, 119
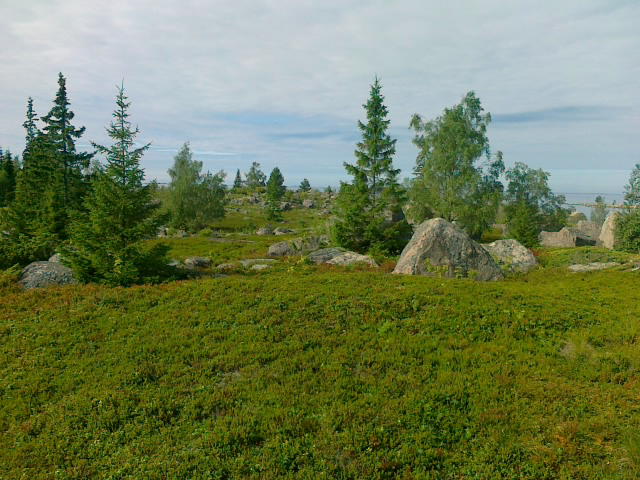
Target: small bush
628, 232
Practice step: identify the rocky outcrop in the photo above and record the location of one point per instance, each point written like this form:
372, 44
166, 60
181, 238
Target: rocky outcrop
565, 238
512, 255
592, 267
439, 247
308, 203
587, 230
352, 258
46, 274
281, 249
607, 235
197, 262
264, 231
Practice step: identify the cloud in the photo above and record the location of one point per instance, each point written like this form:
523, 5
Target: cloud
283, 81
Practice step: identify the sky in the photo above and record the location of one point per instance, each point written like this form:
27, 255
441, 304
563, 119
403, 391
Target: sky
282, 82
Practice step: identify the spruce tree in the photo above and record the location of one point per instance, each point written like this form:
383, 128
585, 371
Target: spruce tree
7, 178
237, 183
30, 123
107, 242
305, 186
62, 134
361, 205
275, 191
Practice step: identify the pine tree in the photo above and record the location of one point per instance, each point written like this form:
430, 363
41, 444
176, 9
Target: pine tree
30, 123
374, 191
195, 199
305, 186
107, 242
275, 191
62, 134
7, 178
255, 177
237, 183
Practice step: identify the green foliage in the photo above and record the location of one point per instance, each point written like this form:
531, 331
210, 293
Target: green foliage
599, 212
530, 205
275, 192
563, 257
627, 231
374, 191
324, 374
305, 186
632, 189
106, 243
195, 199
255, 177
8, 172
455, 176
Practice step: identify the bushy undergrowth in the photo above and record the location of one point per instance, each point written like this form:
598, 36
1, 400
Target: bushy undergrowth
324, 374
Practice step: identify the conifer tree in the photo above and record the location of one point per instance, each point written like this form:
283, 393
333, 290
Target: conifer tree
7, 178
237, 183
106, 243
374, 191
275, 191
62, 134
305, 186
30, 123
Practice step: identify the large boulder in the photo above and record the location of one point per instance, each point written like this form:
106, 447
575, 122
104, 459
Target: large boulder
512, 255
607, 235
587, 230
352, 258
46, 274
325, 254
565, 238
438, 246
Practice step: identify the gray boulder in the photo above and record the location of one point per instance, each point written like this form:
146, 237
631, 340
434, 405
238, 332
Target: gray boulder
197, 262
285, 206
264, 231
260, 267
281, 249
257, 261
352, 258
607, 235
308, 203
565, 238
46, 274
56, 258
592, 267
587, 230
309, 244
512, 255
438, 246
325, 254
283, 231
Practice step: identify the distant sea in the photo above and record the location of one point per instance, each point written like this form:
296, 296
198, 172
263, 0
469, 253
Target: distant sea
573, 198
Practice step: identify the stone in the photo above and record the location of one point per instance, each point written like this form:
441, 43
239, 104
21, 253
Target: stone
309, 244
281, 249
575, 217
283, 231
607, 235
56, 258
285, 206
46, 274
352, 258
438, 246
226, 267
197, 262
588, 229
325, 254
260, 266
257, 261
308, 203
264, 231
592, 267
174, 263
565, 238
512, 255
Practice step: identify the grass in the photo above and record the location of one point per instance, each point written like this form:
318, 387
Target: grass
324, 373
562, 257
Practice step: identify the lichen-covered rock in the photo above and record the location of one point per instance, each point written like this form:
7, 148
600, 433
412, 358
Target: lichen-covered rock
264, 231
281, 249
565, 238
310, 244
587, 230
46, 274
352, 258
283, 231
439, 247
592, 267
197, 262
607, 235
512, 255
308, 203
325, 254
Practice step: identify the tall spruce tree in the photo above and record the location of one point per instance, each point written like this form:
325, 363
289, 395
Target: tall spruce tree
29, 124
374, 192
275, 191
237, 182
107, 241
62, 135
7, 178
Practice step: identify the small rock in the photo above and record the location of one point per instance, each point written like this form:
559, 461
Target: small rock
259, 267
265, 231
257, 261
226, 267
281, 249
308, 203
197, 262
325, 254
283, 231
591, 267
285, 206
352, 258
512, 255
